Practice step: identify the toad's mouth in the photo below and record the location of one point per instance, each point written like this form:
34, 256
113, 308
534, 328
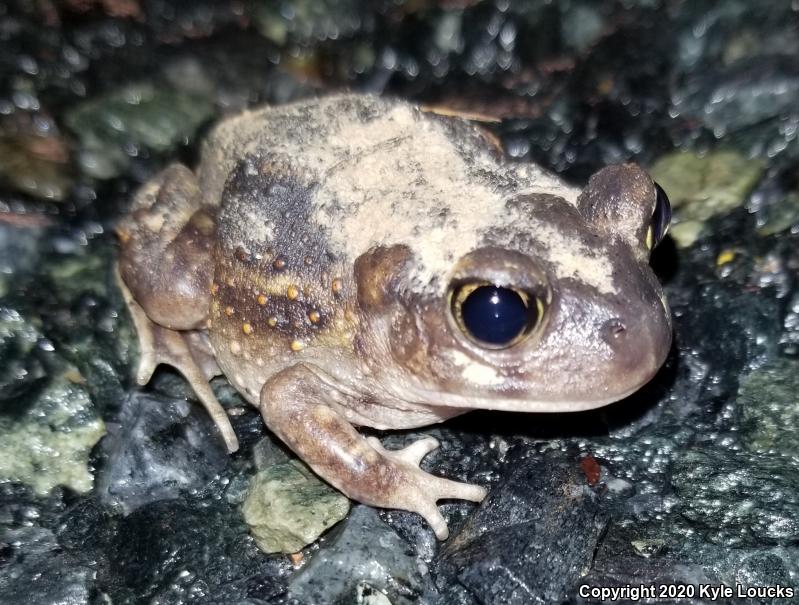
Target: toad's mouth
427, 403
519, 403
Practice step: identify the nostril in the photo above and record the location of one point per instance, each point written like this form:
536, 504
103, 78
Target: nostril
613, 329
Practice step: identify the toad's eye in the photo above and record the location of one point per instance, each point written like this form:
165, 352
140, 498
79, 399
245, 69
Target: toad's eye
494, 316
661, 219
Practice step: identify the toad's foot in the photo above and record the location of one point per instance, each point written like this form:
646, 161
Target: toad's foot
297, 406
188, 353
429, 488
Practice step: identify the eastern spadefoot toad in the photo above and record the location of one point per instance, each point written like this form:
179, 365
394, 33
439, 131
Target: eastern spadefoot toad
355, 261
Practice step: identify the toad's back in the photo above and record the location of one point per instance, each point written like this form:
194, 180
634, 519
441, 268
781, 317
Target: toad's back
355, 172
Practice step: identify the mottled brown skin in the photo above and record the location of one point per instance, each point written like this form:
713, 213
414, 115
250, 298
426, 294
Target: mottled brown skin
312, 257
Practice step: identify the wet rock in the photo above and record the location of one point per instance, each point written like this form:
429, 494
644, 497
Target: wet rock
578, 85
708, 35
768, 408
138, 117
532, 538
361, 555
22, 369
288, 507
746, 93
48, 424
269, 452
86, 528
83, 313
305, 21
19, 252
620, 561
700, 187
157, 449
683, 558
582, 25
790, 337
780, 216
37, 572
35, 165
739, 498
189, 551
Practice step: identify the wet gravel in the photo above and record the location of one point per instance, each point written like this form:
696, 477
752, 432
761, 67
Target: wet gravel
110, 494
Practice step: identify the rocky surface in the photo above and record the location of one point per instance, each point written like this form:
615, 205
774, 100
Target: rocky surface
693, 480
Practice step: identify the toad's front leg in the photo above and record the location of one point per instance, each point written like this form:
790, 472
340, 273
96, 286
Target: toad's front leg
297, 406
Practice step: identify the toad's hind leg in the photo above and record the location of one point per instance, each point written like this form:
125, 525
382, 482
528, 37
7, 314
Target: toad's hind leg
297, 406
188, 352
165, 274
167, 242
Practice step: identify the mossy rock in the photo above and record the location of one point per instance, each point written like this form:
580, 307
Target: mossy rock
702, 186
288, 507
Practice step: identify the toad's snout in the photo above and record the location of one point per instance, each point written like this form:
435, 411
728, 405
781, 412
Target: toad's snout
638, 340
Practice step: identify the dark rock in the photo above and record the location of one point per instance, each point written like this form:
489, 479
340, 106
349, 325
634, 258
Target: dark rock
19, 252
739, 499
532, 538
36, 572
362, 550
82, 311
746, 93
87, 527
138, 117
22, 370
622, 559
189, 551
682, 558
158, 449
769, 413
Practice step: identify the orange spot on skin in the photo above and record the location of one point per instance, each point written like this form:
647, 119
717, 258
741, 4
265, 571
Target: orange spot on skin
292, 292
214, 288
337, 285
246, 328
228, 310
314, 317
230, 281
296, 345
261, 299
591, 470
272, 321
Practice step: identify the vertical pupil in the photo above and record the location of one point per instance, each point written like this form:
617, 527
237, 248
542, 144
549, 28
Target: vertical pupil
495, 315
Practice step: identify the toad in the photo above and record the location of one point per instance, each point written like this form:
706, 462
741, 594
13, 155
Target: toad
356, 261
